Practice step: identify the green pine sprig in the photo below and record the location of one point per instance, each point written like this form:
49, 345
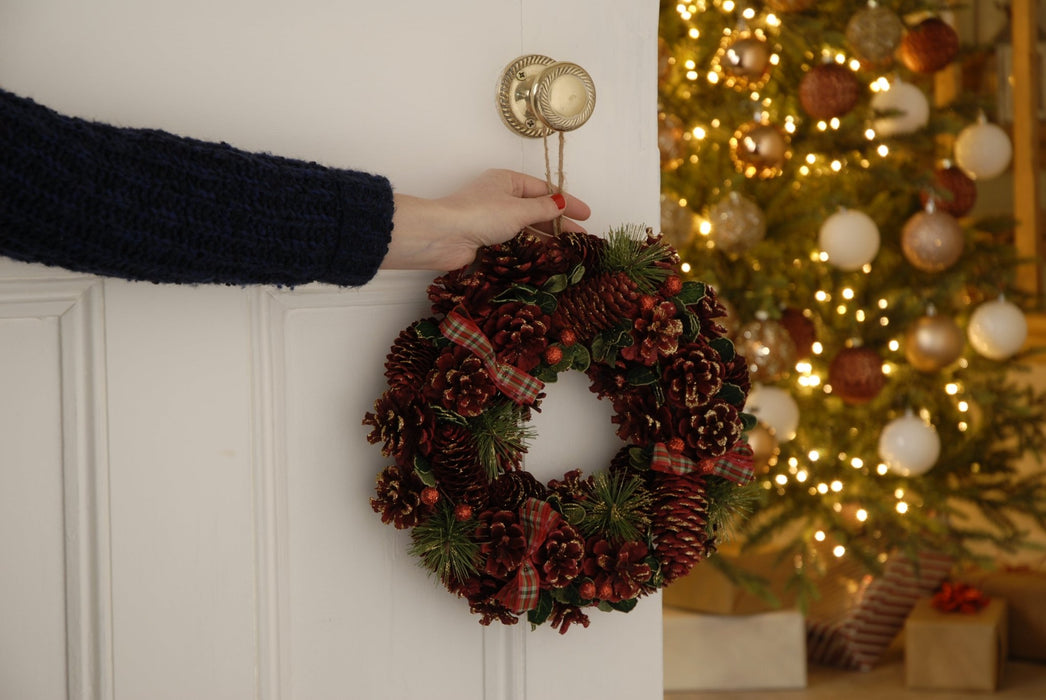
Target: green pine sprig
628, 251
502, 434
618, 507
444, 545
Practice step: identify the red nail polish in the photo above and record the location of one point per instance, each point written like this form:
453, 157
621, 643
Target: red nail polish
560, 200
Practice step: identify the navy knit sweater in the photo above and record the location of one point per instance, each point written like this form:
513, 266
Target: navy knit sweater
148, 205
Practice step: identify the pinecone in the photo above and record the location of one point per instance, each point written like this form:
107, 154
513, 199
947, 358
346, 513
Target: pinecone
410, 360
618, 573
639, 417
559, 557
511, 489
502, 541
596, 303
573, 487
694, 376
399, 423
680, 529
519, 333
461, 383
565, 615
708, 309
462, 286
526, 259
583, 248
399, 498
480, 592
456, 467
654, 334
711, 431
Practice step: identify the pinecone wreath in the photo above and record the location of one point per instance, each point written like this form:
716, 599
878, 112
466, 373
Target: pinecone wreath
454, 423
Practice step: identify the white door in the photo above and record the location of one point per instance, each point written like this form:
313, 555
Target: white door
184, 477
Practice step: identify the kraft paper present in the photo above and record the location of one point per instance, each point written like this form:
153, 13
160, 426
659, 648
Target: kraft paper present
955, 651
707, 589
734, 652
1024, 591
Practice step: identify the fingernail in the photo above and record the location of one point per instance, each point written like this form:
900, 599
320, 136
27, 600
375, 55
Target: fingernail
560, 200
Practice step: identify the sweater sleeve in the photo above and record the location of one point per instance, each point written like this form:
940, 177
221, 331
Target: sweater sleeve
148, 205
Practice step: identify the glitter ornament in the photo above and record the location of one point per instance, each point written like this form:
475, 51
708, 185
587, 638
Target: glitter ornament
789, 5
953, 192
997, 329
670, 141
677, 222
929, 46
737, 224
983, 150
802, 331
768, 348
904, 109
849, 238
765, 448
909, 446
856, 375
829, 90
933, 342
743, 60
874, 33
759, 150
932, 241
776, 409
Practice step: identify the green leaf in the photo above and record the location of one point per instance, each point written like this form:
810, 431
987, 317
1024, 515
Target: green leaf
732, 394
539, 615
642, 375
555, 284
546, 374
625, 606
576, 275
427, 329
521, 292
691, 293
691, 322
447, 416
580, 359
424, 470
546, 302
725, 348
748, 421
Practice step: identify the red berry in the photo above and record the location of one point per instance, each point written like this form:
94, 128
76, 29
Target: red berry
672, 286
606, 591
567, 337
587, 590
553, 354
429, 496
675, 445
462, 512
646, 302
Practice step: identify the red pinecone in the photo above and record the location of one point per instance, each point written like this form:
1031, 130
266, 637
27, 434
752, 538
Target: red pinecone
526, 259
461, 383
619, 573
462, 286
596, 303
712, 430
582, 248
708, 309
693, 376
565, 615
410, 360
680, 530
399, 498
456, 466
655, 333
519, 333
639, 417
512, 488
399, 423
502, 541
559, 557
573, 487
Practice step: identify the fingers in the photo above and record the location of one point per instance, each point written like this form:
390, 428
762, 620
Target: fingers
528, 186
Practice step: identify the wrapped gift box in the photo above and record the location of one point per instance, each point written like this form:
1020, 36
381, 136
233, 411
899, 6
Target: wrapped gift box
955, 651
707, 589
734, 652
1024, 591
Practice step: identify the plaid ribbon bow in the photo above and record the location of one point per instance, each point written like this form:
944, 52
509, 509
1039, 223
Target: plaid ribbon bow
521, 594
735, 464
512, 381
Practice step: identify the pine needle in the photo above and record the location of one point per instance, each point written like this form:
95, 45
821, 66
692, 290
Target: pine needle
628, 251
618, 508
501, 436
444, 545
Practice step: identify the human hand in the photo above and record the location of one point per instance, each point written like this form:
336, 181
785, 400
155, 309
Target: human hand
443, 234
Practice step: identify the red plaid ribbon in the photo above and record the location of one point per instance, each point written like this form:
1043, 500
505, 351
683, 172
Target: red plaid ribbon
960, 598
513, 382
736, 464
521, 594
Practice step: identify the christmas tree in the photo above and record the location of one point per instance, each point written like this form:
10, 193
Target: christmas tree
815, 177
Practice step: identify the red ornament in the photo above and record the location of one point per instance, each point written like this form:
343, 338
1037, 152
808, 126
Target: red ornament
553, 354
954, 193
856, 375
429, 496
929, 46
802, 330
829, 90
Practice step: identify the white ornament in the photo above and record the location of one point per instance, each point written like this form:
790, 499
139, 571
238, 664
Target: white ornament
983, 150
775, 408
909, 446
913, 110
849, 238
997, 329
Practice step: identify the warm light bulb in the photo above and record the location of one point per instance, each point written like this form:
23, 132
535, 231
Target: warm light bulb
902, 507
856, 462
862, 514
839, 551
781, 479
820, 536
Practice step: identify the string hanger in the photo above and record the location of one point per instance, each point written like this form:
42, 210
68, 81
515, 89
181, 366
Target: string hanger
557, 188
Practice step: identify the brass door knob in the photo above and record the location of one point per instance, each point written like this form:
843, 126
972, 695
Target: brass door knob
538, 96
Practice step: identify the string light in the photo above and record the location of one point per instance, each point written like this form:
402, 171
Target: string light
839, 551
861, 515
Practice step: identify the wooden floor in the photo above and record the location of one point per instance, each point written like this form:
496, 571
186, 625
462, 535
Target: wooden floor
885, 682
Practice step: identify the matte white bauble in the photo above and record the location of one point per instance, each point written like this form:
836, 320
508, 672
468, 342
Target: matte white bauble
983, 150
997, 329
909, 446
849, 238
775, 408
911, 107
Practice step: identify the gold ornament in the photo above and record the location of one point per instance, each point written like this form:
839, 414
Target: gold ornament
737, 224
759, 150
789, 5
743, 60
932, 241
670, 141
768, 348
933, 342
765, 447
874, 33
677, 222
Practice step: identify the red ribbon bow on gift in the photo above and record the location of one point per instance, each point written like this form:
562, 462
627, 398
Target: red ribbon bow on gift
736, 464
512, 381
959, 598
521, 594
